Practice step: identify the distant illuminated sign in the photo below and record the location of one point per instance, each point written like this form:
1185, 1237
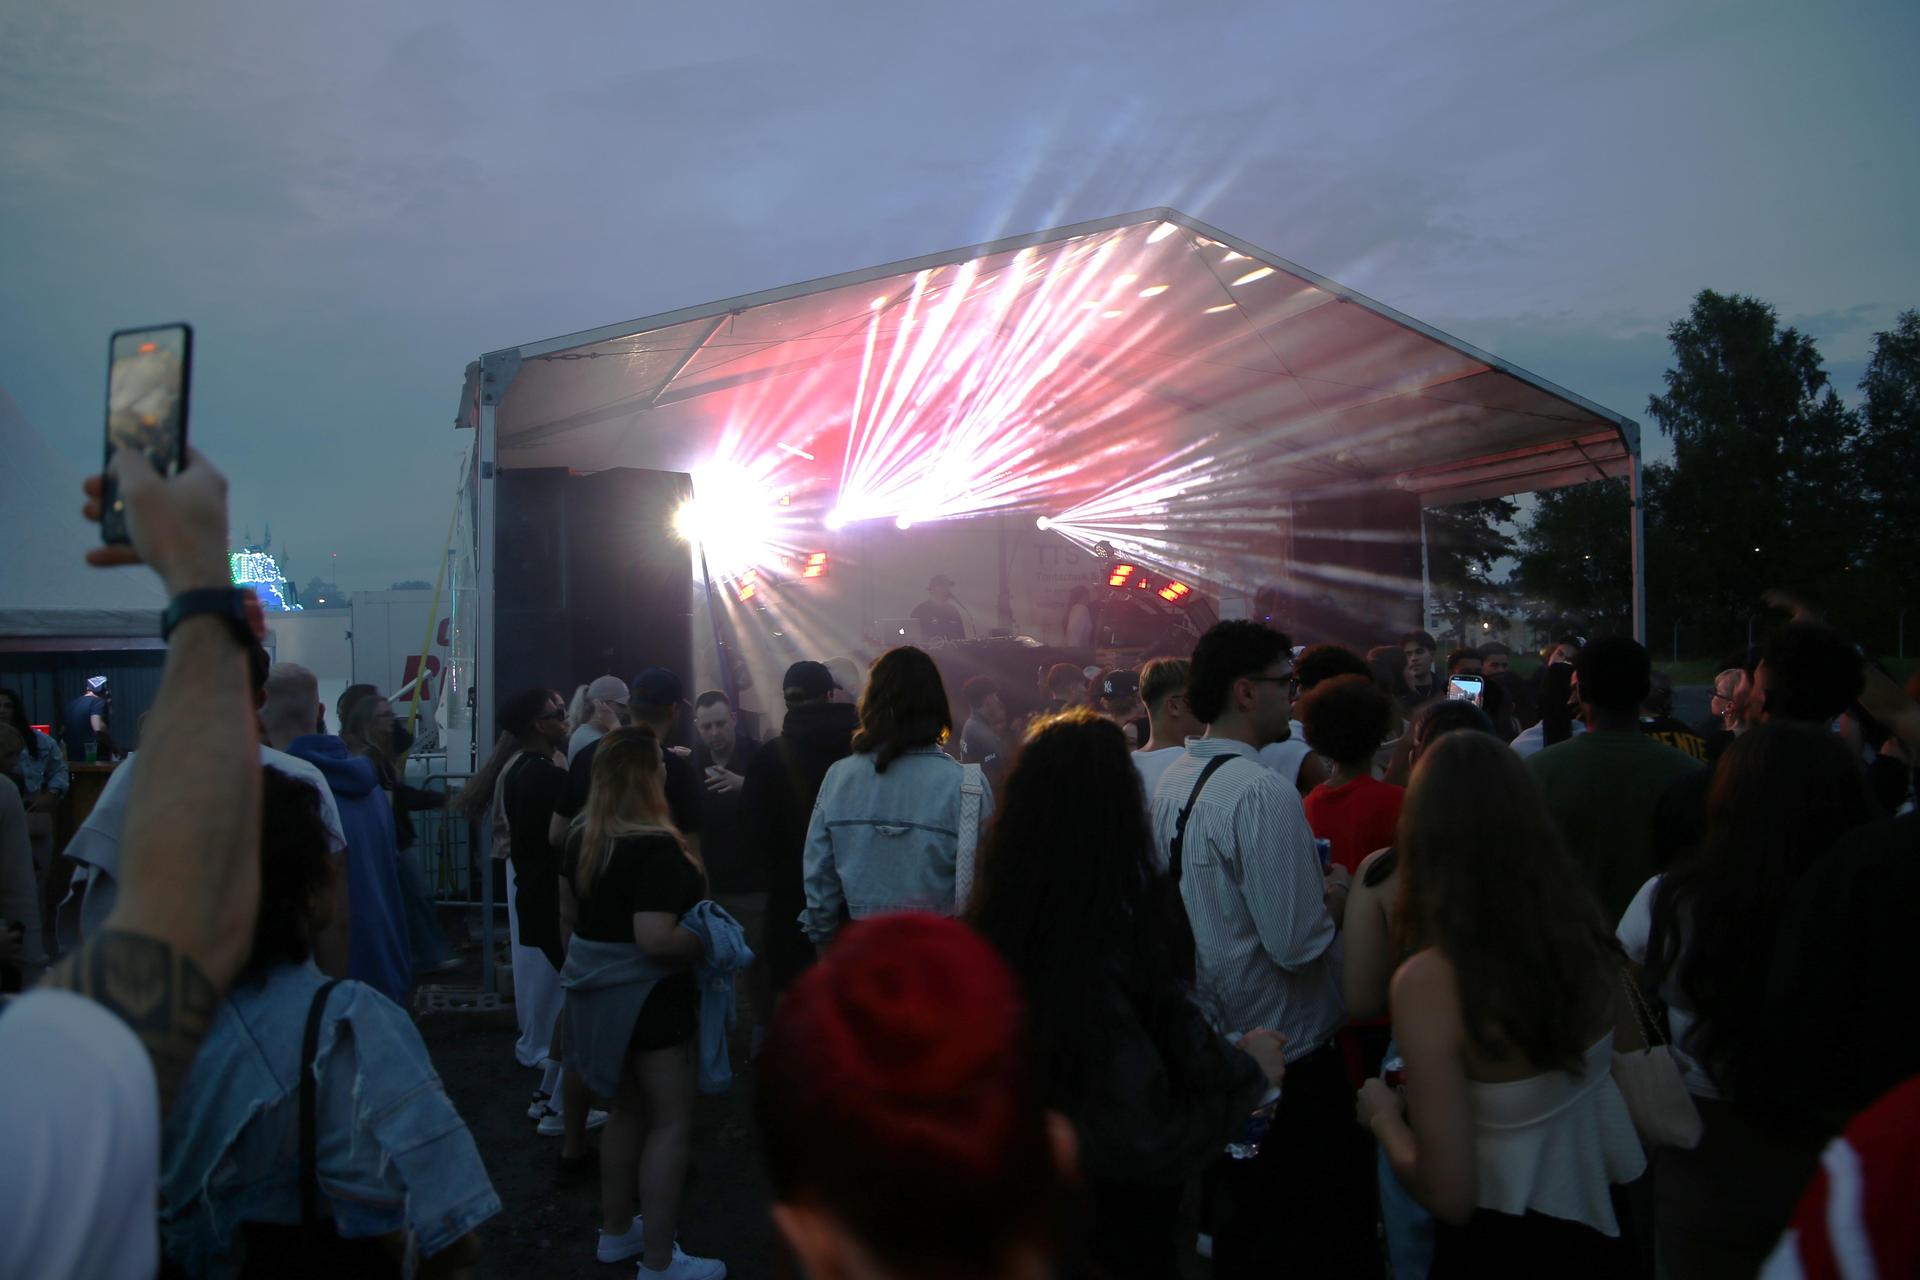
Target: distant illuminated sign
259, 570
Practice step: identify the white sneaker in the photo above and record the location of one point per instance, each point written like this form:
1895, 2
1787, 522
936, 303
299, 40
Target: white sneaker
553, 1124
685, 1267
538, 1107
619, 1248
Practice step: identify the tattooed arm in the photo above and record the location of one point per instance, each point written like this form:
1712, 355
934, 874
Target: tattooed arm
190, 866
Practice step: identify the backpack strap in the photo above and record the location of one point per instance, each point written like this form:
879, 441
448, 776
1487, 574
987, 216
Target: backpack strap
973, 789
1180, 823
309, 1106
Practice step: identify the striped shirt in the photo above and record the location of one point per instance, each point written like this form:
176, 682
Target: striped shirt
1265, 944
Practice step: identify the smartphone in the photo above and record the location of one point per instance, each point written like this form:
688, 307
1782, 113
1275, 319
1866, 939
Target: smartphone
1466, 688
149, 376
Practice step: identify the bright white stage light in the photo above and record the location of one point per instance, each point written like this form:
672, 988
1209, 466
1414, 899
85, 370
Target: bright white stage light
1043, 523
733, 518
903, 522
836, 520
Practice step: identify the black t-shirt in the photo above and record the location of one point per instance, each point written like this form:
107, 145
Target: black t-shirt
533, 791
79, 724
532, 787
683, 788
1674, 733
939, 621
644, 872
732, 864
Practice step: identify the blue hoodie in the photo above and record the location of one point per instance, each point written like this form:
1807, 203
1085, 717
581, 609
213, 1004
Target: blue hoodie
377, 948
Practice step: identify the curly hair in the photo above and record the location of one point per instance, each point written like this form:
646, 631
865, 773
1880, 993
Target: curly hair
1346, 718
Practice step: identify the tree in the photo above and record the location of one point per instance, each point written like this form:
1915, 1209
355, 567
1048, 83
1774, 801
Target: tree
1463, 543
1890, 461
318, 593
1763, 490
1575, 555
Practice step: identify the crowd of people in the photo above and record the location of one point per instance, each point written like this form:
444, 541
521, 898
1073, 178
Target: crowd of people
1311, 960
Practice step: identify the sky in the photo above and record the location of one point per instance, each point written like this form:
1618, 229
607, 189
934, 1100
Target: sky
350, 201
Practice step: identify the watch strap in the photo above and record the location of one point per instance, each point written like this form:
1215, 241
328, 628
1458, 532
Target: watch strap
226, 603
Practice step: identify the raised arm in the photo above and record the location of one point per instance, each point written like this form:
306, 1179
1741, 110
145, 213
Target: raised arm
190, 867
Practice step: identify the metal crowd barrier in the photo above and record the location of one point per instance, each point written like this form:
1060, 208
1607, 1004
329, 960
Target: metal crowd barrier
459, 864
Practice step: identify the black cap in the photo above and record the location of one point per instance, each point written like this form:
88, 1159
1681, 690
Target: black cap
1119, 684
657, 687
808, 679
939, 580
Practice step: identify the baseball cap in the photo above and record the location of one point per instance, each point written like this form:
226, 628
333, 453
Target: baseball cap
96, 683
1118, 684
608, 689
939, 580
658, 687
808, 680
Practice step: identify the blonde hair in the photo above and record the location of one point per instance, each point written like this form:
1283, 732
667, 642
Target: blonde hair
628, 796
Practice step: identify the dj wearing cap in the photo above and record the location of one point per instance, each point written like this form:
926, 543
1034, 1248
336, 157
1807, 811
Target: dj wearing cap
938, 616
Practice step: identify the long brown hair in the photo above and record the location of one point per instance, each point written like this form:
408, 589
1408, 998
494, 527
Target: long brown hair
904, 707
1485, 877
628, 796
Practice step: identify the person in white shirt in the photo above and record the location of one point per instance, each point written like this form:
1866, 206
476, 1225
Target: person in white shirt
1163, 688
1235, 838
604, 704
96, 845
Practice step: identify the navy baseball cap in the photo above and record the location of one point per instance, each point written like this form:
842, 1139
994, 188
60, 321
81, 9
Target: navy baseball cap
1117, 684
657, 687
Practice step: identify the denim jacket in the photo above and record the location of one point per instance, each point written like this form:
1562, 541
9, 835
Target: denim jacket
392, 1150
884, 841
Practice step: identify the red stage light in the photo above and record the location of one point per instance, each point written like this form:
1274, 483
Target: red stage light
1175, 592
1119, 574
746, 586
816, 566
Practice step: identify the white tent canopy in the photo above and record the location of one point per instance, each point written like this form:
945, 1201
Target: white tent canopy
1150, 328
49, 597
1144, 379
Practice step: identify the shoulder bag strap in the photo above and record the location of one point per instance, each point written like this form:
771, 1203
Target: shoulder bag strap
972, 792
1180, 824
309, 1105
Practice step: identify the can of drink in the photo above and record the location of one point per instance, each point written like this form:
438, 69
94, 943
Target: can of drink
1253, 1132
1324, 847
1394, 1072
93, 753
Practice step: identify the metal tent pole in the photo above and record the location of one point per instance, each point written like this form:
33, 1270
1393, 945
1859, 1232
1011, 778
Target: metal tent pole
1638, 493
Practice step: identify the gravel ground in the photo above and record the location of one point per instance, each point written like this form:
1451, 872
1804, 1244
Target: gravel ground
542, 1231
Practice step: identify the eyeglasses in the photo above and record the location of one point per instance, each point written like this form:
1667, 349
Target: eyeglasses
1290, 680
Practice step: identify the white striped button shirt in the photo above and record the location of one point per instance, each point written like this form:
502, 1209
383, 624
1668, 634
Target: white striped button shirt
1265, 944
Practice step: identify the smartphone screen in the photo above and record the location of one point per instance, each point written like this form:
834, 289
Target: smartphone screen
148, 377
1465, 688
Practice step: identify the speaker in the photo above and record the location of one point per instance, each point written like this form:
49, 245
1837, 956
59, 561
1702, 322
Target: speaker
589, 578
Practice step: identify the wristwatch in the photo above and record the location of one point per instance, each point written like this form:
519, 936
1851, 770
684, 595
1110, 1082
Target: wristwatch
229, 604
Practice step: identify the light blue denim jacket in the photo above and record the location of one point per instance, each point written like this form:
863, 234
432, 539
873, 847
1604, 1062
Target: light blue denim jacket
392, 1150
884, 841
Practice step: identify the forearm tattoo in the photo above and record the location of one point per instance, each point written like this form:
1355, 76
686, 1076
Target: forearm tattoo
154, 989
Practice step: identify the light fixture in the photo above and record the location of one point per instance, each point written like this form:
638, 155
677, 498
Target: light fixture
1154, 290
816, 566
1103, 549
836, 520
1258, 273
1175, 592
903, 522
1119, 575
1043, 523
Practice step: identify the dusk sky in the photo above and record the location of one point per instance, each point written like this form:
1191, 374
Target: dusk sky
350, 201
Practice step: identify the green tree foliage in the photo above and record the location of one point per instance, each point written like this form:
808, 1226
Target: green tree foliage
1575, 555
1463, 543
1890, 461
1763, 489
